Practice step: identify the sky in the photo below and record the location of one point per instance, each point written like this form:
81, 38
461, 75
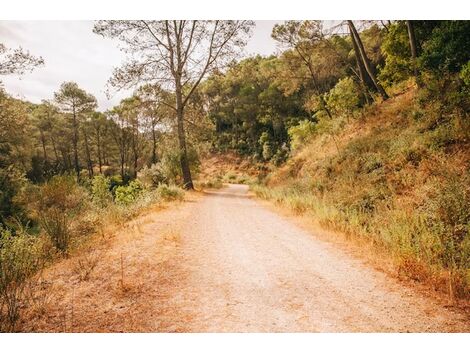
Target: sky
72, 52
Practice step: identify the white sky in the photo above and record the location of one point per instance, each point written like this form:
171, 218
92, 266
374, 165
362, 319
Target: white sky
72, 52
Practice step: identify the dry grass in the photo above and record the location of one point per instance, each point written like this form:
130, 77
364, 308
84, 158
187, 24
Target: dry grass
218, 169
393, 181
119, 285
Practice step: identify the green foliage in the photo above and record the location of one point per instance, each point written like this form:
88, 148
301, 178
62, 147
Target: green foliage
21, 256
300, 134
101, 191
465, 74
12, 182
169, 168
396, 48
126, 195
448, 48
344, 98
250, 111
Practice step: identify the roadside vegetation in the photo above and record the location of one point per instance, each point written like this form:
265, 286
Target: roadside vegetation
393, 172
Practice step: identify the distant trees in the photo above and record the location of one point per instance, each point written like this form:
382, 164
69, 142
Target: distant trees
303, 37
176, 54
73, 100
318, 81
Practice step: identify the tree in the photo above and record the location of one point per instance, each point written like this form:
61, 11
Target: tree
176, 54
75, 101
303, 37
365, 60
413, 46
98, 123
120, 133
155, 104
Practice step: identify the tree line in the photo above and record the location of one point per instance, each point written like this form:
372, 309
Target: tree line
189, 90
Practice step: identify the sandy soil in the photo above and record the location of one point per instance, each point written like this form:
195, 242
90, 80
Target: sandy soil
224, 263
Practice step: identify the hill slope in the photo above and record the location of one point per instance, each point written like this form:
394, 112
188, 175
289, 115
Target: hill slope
397, 177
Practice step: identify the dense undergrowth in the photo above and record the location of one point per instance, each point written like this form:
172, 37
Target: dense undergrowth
64, 217
398, 176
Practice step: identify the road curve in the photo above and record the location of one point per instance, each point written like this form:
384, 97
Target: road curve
247, 269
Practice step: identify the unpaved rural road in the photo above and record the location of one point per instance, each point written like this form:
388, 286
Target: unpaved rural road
231, 265
251, 270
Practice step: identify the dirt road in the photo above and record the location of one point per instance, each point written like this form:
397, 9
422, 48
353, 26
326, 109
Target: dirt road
225, 263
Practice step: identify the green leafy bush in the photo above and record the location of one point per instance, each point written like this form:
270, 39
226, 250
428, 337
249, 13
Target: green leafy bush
126, 195
168, 170
301, 134
100, 190
21, 256
344, 98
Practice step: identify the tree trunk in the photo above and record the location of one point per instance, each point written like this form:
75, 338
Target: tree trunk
366, 82
154, 145
54, 148
75, 144
88, 155
365, 60
187, 179
98, 143
414, 50
43, 142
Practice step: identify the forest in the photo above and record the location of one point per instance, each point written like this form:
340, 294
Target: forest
362, 125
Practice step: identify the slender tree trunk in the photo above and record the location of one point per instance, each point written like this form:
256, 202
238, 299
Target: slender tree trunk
135, 155
187, 179
75, 143
88, 155
54, 148
154, 145
64, 160
43, 142
366, 82
413, 47
365, 60
98, 143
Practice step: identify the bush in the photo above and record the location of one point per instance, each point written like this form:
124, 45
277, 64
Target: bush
126, 195
100, 190
12, 182
152, 176
57, 203
170, 192
21, 256
344, 98
299, 135
170, 165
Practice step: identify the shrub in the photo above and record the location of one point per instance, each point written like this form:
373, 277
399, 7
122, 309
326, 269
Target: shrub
301, 134
57, 203
344, 98
170, 192
20, 257
100, 190
126, 195
170, 165
152, 176
213, 182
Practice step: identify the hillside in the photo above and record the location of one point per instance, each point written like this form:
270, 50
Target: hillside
395, 177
